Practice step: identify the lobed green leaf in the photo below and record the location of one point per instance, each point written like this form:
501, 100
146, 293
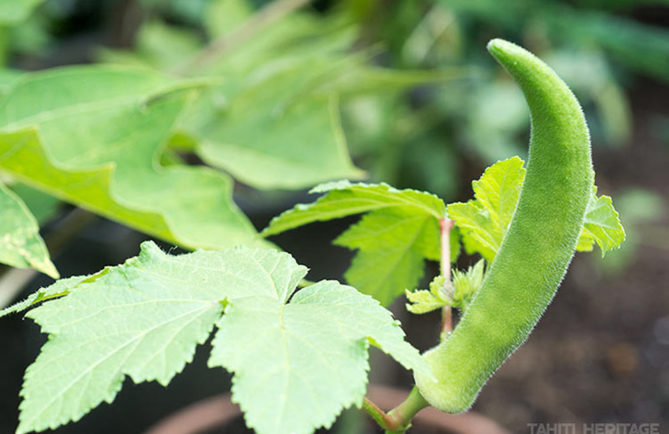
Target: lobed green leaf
297, 364
484, 220
343, 199
58, 289
400, 232
602, 225
393, 245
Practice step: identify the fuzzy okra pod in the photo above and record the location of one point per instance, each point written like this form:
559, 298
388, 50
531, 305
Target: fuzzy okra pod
537, 248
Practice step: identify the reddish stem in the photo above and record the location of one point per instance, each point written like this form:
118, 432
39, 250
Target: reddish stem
445, 226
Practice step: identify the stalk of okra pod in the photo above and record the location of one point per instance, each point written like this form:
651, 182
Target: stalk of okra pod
537, 247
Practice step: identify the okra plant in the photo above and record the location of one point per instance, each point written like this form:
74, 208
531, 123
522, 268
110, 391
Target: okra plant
299, 357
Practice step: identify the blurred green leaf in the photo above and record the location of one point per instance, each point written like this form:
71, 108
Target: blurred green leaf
589, 75
497, 113
91, 136
158, 45
20, 242
620, 4
41, 205
13, 12
640, 205
224, 16
34, 36
430, 163
8, 77
435, 40
274, 123
641, 47
190, 11
274, 133
166, 46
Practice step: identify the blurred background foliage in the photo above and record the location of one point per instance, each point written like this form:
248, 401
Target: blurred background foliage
409, 89
475, 110
420, 101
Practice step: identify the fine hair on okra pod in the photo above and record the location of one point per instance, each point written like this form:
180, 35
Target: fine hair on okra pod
537, 248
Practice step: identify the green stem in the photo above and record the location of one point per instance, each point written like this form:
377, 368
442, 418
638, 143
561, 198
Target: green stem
397, 420
403, 413
375, 412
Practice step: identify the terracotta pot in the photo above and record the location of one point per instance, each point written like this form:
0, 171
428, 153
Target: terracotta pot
218, 410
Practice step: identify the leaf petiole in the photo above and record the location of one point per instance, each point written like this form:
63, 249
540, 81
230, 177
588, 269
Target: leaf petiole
397, 420
445, 226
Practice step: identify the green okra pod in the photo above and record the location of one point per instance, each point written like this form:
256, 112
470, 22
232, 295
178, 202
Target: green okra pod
537, 247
